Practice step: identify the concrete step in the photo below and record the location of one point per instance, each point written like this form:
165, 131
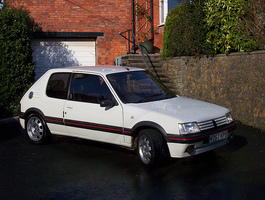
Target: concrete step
140, 55
156, 68
154, 62
136, 58
141, 60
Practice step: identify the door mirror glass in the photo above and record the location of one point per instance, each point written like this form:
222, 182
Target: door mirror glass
107, 103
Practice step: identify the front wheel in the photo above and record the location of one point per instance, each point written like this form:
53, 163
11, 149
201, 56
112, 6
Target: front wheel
151, 147
37, 130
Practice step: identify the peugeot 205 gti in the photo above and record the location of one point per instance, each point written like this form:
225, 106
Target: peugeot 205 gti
123, 106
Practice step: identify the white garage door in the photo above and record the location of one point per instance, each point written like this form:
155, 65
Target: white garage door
54, 53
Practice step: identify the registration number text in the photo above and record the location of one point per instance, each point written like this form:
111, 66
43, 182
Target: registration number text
218, 136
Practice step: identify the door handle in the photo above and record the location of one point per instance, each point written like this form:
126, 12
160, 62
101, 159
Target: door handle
70, 107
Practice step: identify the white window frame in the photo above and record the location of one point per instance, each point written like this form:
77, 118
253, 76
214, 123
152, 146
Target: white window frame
163, 10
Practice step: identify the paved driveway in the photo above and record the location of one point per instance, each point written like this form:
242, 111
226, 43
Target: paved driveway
69, 168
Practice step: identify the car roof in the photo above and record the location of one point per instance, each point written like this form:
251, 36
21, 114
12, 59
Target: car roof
97, 69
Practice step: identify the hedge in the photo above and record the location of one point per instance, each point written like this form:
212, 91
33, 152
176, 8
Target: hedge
210, 27
184, 32
16, 66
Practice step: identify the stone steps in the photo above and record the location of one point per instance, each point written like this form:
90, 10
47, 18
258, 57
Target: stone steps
154, 62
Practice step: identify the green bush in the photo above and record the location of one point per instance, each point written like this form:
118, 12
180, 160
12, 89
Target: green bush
223, 25
210, 27
184, 33
16, 66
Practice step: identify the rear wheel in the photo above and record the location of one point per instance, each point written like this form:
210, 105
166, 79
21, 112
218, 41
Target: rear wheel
151, 147
37, 130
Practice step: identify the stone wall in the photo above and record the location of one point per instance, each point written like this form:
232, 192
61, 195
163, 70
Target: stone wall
235, 81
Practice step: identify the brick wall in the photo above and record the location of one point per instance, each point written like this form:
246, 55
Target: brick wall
107, 16
143, 24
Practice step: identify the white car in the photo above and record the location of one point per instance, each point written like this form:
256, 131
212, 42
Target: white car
123, 106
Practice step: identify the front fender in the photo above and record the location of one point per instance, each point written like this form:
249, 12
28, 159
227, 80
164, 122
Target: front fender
148, 124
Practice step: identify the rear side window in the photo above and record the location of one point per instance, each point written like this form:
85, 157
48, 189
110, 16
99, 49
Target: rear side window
58, 85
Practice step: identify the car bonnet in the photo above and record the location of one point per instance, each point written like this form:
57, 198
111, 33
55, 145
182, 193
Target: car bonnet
184, 109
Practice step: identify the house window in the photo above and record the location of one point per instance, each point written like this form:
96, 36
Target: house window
164, 7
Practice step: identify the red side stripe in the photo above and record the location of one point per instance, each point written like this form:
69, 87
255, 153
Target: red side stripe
53, 120
93, 126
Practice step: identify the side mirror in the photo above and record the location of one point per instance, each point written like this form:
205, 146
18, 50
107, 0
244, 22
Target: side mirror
107, 103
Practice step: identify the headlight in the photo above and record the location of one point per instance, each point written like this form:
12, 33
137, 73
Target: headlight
187, 128
229, 118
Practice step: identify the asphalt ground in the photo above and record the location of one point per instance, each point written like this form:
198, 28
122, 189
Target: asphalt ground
70, 168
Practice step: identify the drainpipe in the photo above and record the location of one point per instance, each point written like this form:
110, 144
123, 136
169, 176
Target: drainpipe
152, 20
133, 27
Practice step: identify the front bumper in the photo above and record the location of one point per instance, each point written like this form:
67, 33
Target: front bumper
192, 144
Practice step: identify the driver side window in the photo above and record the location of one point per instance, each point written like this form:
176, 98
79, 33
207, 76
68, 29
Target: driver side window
89, 88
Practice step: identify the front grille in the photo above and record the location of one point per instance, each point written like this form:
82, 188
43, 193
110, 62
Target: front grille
221, 121
205, 125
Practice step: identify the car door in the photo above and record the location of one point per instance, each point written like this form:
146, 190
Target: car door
83, 115
55, 98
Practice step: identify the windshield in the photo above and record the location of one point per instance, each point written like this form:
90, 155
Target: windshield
138, 87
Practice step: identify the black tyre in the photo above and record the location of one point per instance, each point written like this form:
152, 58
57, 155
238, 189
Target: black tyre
151, 147
37, 130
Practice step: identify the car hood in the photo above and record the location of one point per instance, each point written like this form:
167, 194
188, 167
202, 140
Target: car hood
184, 109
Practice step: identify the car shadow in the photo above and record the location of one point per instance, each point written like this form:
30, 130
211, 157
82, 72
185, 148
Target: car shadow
209, 158
10, 130
237, 143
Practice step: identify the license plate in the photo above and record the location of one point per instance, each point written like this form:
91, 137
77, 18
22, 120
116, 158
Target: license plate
218, 136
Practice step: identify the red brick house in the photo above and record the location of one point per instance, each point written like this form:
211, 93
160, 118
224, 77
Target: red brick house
87, 32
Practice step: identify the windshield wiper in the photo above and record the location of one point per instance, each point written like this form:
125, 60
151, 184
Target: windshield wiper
169, 95
149, 97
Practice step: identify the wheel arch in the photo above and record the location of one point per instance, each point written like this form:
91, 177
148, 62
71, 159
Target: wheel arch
33, 111
146, 125
46, 134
